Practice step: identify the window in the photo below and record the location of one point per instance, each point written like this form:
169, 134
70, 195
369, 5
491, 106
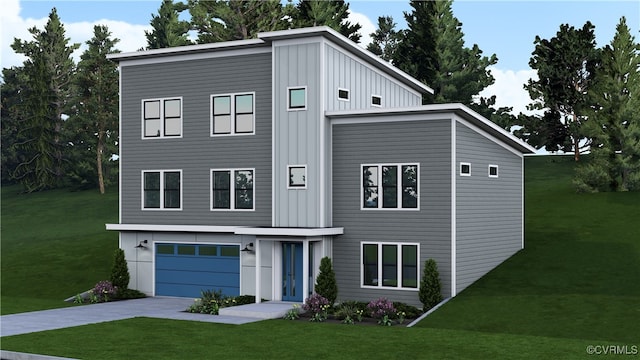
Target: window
493, 171
376, 100
232, 189
232, 114
390, 265
162, 118
397, 184
297, 175
343, 94
297, 98
465, 169
162, 190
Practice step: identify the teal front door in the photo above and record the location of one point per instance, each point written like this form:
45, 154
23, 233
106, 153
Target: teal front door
292, 272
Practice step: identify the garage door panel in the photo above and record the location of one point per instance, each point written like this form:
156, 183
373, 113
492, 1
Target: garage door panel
198, 263
183, 290
199, 278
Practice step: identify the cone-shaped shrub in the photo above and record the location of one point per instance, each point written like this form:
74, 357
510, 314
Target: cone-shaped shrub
430, 286
326, 281
119, 271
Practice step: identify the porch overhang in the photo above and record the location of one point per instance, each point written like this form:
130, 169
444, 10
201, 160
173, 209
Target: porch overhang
237, 230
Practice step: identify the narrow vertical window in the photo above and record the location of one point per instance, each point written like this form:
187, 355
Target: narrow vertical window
244, 113
172, 117
297, 98
390, 265
409, 266
222, 115
172, 190
243, 189
389, 186
370, 186
152, 190
152, 118
370, 264
409, 186
221, 190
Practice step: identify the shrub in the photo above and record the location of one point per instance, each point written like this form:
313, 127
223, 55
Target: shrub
293, 314
348, 312
119, 271
430, 286
129, 294
318, 306
103, 291
383, 310
208, 303
410, 312
326, 281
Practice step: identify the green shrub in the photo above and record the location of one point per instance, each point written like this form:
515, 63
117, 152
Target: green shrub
130, 294
411, 312
349, 311
119, 271
430, 286
326, 281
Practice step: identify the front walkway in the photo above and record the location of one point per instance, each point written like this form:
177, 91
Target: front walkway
154, 307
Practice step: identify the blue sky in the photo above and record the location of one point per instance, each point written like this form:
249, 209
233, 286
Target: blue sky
506, 28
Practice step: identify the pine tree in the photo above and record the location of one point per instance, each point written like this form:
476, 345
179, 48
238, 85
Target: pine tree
168, 29
326, 281
93, 129
614, 121
12, 96
329, 13
48, 72
119, 271
566, 66
430, 292
384, 41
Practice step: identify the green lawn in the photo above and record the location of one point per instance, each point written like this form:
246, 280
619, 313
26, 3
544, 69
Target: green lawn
577, 283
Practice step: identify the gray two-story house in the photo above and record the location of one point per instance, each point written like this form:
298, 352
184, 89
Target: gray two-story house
243, 163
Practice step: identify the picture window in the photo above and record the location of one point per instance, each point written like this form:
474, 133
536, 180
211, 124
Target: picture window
396, 184
297, 98
390, 265
162, 118
232, 189
232, 114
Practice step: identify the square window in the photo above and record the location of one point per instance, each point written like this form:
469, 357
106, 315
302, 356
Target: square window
343, 94
232, 114
465, 169
162, 118
297, 98
493, 171
297, 176
162, 190
232, 189
376, 100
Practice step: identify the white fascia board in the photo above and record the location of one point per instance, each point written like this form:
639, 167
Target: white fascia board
351, 46
171, 228
290, 231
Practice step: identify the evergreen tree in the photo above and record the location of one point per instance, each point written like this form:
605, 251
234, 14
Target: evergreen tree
566, 66
93, 130
220, 20
326, 281
168, 29
13, 91
430, 292
331, 13
119, 271
384, 41
48, 72
614, 120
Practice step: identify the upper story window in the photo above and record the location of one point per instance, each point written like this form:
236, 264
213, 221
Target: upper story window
162, 190
162, 118
297, 98
343, 94
297, 175
396, 184
493, 171
465, 169
232, 114
376, 100
232, 189
389, 265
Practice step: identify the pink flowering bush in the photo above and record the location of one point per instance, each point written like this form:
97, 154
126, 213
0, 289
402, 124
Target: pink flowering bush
103, 291
382, 309
318, 306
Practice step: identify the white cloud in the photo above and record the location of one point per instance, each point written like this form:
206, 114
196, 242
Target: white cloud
509, 89
14, 26
368, 27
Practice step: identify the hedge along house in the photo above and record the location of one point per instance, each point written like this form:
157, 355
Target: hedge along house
243, 163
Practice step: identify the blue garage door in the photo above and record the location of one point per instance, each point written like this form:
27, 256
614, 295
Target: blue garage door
185, 270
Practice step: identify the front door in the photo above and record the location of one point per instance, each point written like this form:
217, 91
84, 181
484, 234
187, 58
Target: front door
292, 272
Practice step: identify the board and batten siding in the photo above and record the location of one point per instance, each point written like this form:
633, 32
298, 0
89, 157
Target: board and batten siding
196, 152
344, 71
297, 134
489, 210
425, 142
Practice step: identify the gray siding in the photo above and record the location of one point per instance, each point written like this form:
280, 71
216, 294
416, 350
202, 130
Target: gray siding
297, 134
196, 152
425, 142
347, 72
489, 210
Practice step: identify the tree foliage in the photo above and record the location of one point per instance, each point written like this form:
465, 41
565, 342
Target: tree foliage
614, 120
12, 95
92, 131
566, 65
384, 41
326, 281
430, 292
119, 271
168, 29
48, 71
329, 13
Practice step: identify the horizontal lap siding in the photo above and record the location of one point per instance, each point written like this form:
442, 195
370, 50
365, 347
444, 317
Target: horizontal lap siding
424, 142
196, 152
489, 210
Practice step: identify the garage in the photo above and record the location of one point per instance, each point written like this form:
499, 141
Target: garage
184, 270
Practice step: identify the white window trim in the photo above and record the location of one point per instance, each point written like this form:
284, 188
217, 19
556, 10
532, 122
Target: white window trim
465, 174
162, 172
306, 93
378, 96
399, 264
162, 119
399, 192
232, 190
348, 95
233, 114
489, 171
288, 176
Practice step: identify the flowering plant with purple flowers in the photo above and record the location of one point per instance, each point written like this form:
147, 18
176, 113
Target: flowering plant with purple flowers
103, 291
318, 305
382, 309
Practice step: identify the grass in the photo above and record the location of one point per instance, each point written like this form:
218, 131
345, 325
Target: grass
54, 245
576, 284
